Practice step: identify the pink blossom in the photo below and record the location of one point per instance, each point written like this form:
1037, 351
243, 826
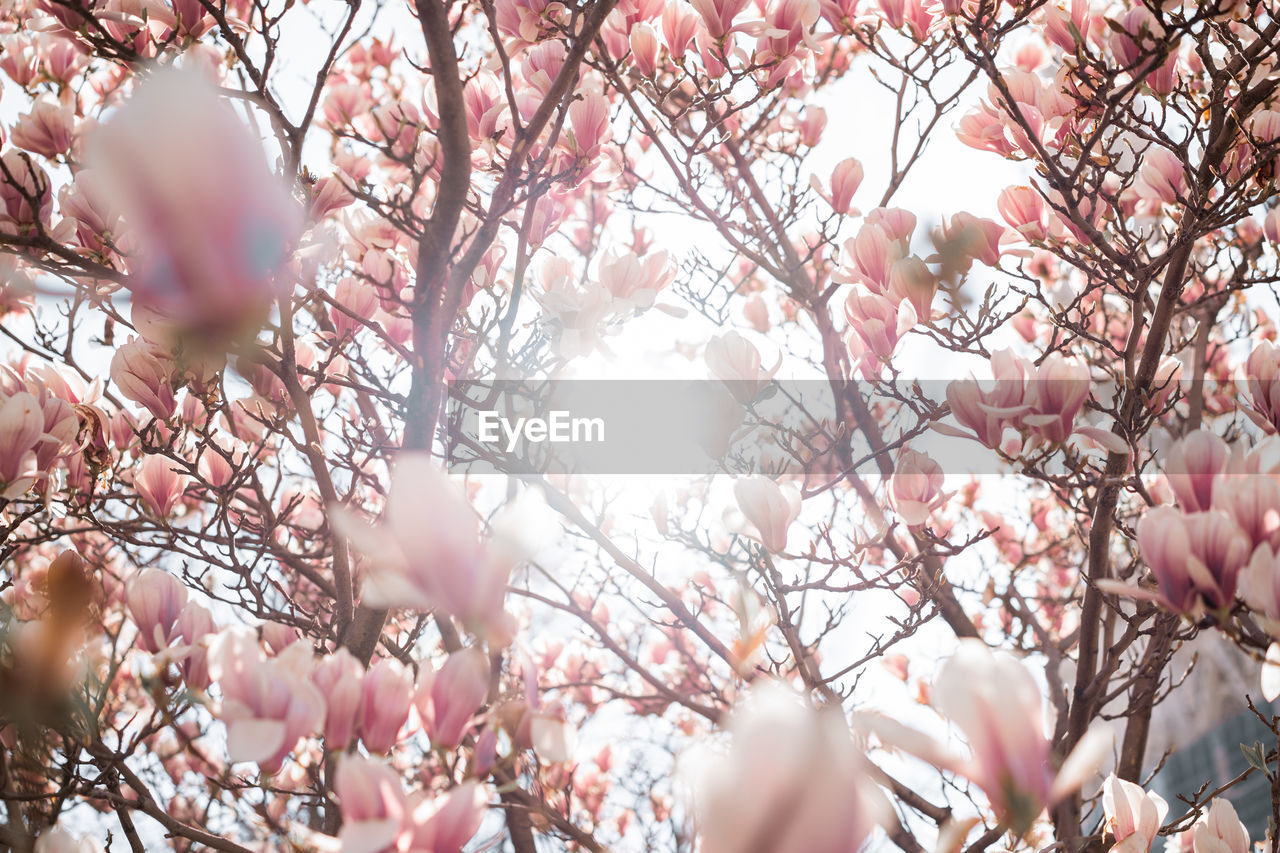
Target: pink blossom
47, 130
790, 773
374, 805
912, 281
1193, 465
915, 489
736, 362
159, 484
996, 704
340, 679
155, 599
1056, 395
644, 48
448, 699
972, 238
811, 126
1161, 176
268, 704
1195, 557
146, 375
21, 429
446, 822
718, 15
846, 177
388, 695
194, 624
879, 322
1221, 830
1133, 816
635, 280
679, 25
24, 180
989, 410
212, 240
428, 552
984, 129
589, 127
769, 509
1024, 209
1271, 225
1064, 27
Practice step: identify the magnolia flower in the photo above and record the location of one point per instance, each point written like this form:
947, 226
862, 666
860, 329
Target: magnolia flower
59, 840
770, 510
1024, 209
1193, 465
790, 774
159, 484
268, 704
846, 177
1134, 816
1195, 558
47, 130
374, 806
340, 679
388, 695
154, 599
428, 552
1220, 830
996, 704
213, 239
916, 487
736, 362
1056, 395
988, 410
447, 700
446, 822
21, 430
146, 374
878, 322
634, 280
1262, 372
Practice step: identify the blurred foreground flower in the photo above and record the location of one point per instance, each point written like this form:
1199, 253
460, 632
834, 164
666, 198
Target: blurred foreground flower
213, 225
379, 816
428, 552
791, 781
995, 703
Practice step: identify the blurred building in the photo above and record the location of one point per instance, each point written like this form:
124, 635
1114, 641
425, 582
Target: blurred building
1201, 726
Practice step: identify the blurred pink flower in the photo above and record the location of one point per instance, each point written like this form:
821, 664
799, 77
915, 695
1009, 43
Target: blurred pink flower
996, 704
1220, 830
213, 240
446, 822
791, 774
1193, 465
428, 551
268, 704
